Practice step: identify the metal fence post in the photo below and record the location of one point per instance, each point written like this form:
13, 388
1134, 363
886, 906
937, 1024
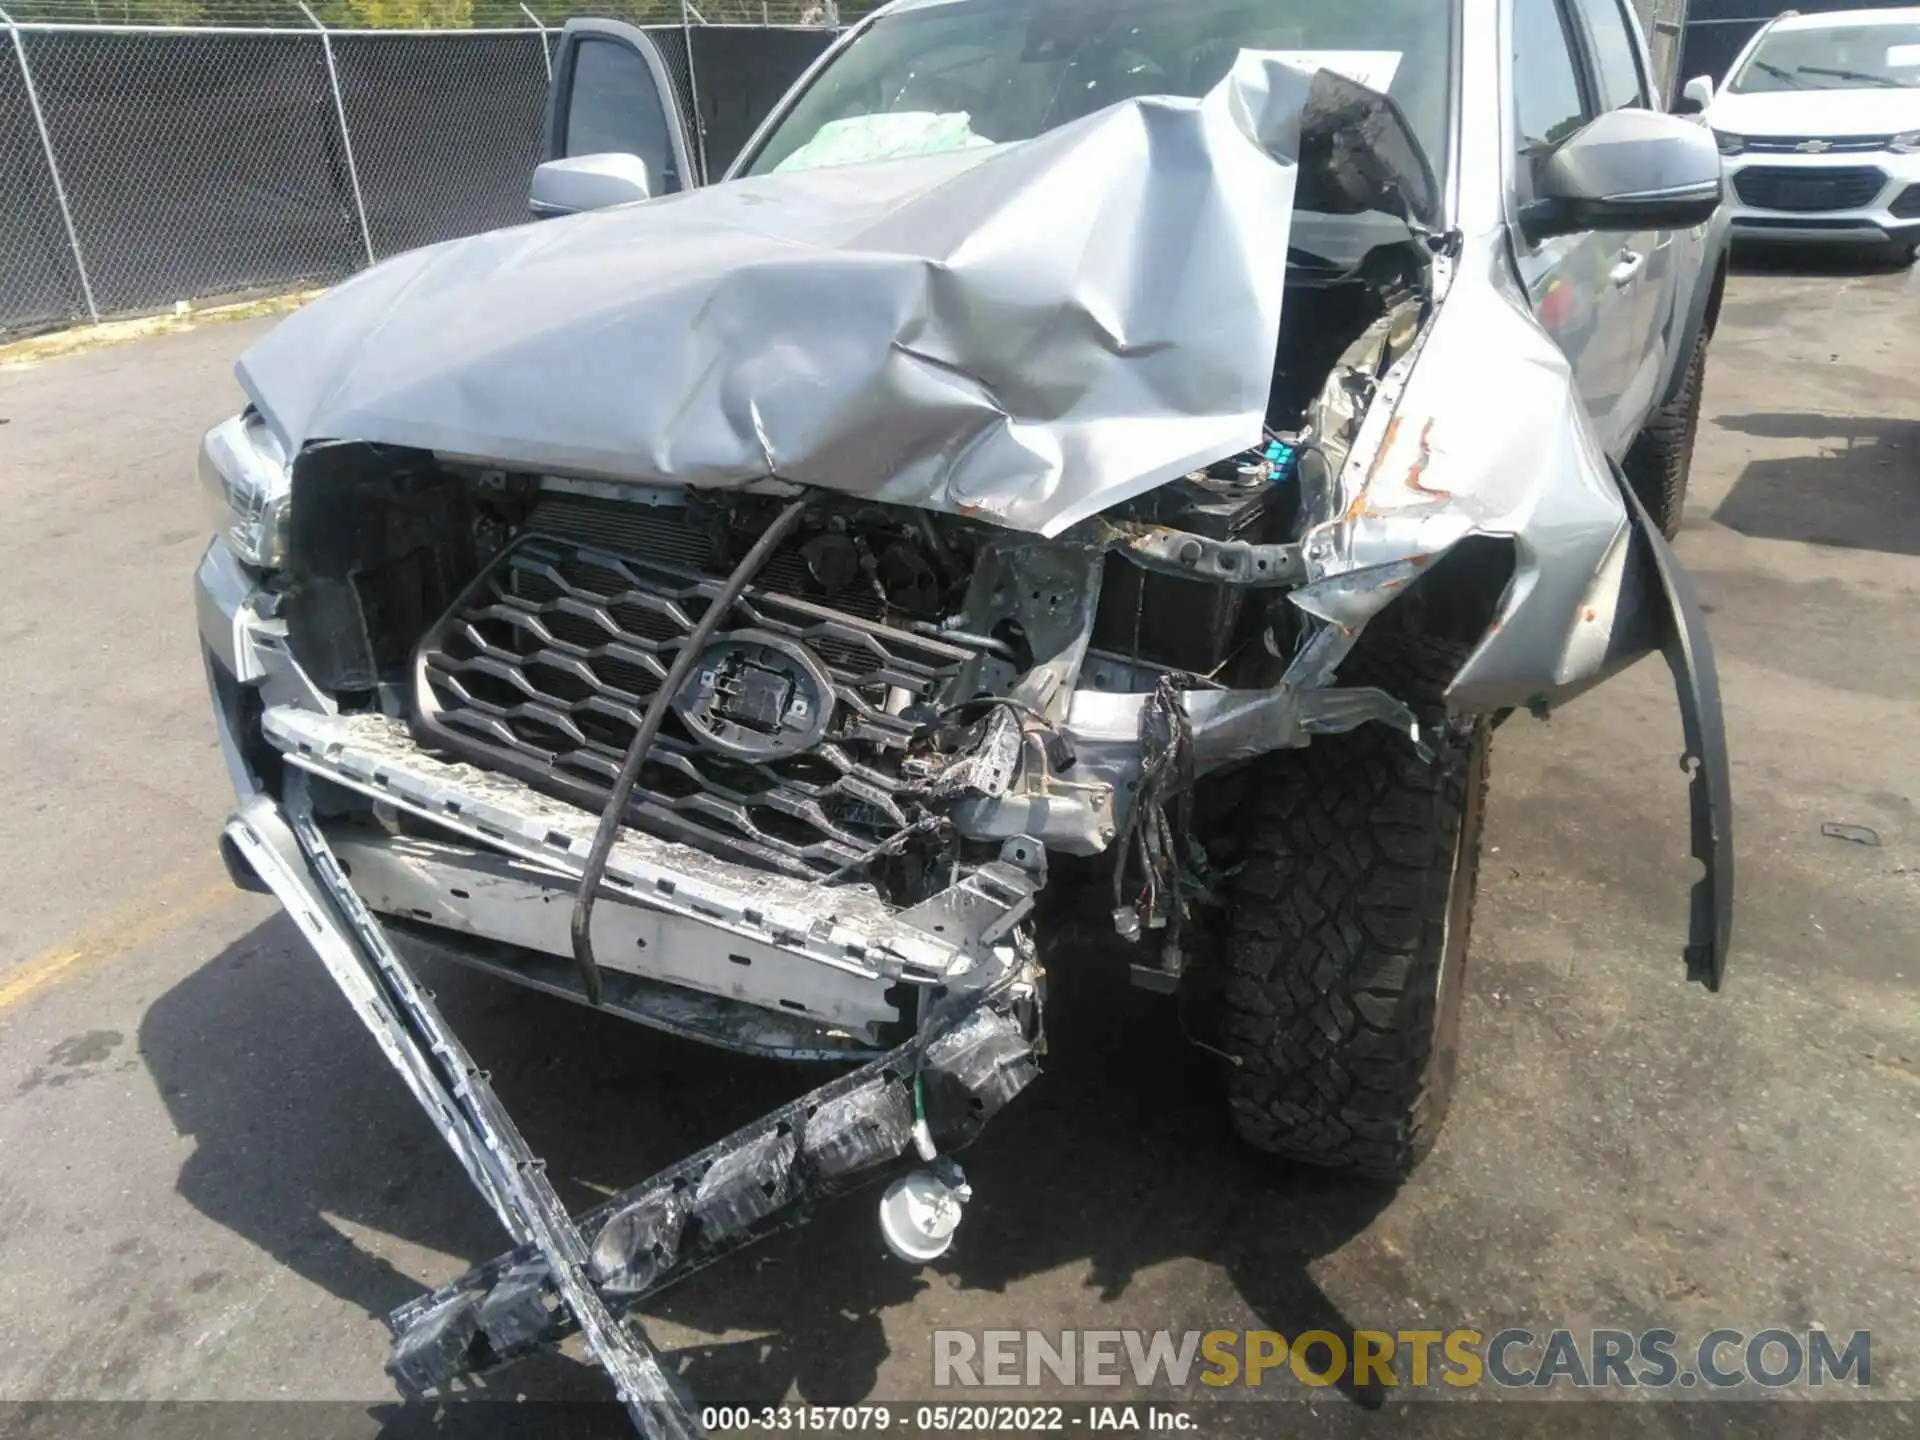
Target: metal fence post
545, 53
53, 167
687, 16
346, 138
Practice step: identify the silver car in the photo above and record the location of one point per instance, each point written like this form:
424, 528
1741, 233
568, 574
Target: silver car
1081, 445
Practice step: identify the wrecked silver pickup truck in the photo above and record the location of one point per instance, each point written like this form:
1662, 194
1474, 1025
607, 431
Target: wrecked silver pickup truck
1085, 438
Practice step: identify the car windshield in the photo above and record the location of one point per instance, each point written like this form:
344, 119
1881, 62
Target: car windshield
1884, 56
980, 72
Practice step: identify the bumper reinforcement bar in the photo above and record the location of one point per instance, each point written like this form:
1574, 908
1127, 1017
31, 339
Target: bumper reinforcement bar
968, 1060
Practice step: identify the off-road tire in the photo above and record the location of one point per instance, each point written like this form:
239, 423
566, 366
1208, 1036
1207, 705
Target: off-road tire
1347, 926
1661, 458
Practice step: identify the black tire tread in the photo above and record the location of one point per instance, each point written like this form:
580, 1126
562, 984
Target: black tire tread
1661, 458
1334, 932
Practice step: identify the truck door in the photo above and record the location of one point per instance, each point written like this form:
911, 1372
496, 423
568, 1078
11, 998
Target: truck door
613, 94
1584, 287
1646, 259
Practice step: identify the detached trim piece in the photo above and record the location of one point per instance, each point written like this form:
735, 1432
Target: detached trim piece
1696, 681
761, 1180
970, 1059
291, 855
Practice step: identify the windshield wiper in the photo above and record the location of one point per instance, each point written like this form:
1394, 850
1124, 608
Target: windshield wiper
1780, 73
1853, 75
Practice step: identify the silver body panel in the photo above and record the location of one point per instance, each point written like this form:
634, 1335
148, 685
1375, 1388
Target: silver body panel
489, 896
1015, 333
1026, 335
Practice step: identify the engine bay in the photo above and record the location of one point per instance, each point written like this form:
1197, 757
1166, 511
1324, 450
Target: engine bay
897, 693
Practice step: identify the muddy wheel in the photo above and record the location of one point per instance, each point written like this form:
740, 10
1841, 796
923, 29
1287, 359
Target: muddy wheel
1661, 457
1347, 930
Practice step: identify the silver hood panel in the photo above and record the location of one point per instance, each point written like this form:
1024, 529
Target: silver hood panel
1026, 333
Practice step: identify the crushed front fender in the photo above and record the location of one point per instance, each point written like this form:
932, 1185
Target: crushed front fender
1443, 456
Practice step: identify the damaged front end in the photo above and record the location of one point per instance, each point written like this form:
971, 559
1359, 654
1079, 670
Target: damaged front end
746, 692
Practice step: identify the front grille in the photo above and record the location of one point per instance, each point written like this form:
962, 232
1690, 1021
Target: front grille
1820, 144
545, 667
1805, 189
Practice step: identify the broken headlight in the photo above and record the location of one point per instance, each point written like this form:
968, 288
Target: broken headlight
246, 478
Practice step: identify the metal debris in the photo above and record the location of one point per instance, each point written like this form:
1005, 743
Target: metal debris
1858, 834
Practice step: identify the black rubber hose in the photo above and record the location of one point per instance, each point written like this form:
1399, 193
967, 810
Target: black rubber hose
643, 738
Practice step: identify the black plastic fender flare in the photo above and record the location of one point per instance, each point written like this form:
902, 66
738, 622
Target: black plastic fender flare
1682, 637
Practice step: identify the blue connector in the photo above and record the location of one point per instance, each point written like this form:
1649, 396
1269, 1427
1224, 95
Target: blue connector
1280, 457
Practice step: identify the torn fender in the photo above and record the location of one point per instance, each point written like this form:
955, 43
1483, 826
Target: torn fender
1443, 455
1479, 429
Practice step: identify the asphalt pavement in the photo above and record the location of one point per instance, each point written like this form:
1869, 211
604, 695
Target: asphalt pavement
212, 1187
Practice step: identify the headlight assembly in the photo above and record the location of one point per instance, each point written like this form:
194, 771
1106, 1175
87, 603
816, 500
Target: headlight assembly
1729, 143
1907, 142
247, 481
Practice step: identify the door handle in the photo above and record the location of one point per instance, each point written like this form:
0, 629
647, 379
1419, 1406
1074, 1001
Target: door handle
1626, 268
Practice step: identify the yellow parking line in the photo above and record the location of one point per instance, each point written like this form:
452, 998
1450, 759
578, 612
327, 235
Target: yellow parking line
179, 898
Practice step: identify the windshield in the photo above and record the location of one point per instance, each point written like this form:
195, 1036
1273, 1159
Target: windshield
980, 72
1883, 56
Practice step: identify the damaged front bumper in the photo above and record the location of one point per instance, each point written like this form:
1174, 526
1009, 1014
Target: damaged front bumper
785, 968
969, 1055
384, 855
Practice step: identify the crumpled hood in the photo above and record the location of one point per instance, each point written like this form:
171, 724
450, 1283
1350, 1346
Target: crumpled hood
1026, 333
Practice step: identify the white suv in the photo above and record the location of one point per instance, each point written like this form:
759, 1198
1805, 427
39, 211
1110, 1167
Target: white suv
1820, 124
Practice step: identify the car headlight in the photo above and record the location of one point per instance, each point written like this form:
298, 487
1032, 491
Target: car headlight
247, 482
1907, 142
1729, 143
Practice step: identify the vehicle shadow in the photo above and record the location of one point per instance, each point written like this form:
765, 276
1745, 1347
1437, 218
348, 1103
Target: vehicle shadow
1118, 1159
1758, 257
1860, 492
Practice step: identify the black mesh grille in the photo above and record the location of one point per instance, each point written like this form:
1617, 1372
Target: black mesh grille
1906, 204
1805, 189
546, 665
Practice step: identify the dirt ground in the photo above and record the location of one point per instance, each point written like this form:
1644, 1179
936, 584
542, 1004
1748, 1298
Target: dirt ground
211, 1186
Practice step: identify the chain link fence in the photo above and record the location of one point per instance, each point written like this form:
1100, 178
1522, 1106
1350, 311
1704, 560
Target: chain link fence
146, 164
153, 151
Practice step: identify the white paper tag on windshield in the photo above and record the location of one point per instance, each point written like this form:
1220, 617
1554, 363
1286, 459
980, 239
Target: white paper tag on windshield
1374, 69
1902, 56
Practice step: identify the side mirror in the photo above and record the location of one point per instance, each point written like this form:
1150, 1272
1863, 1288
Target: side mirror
588, 182
1626, 170
1695, 96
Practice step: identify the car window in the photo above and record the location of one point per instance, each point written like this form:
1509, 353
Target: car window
1548, 105
1880, 56
1614, 62
613, 107
982, 72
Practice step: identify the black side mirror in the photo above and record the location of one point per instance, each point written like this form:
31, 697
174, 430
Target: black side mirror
1626, 170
